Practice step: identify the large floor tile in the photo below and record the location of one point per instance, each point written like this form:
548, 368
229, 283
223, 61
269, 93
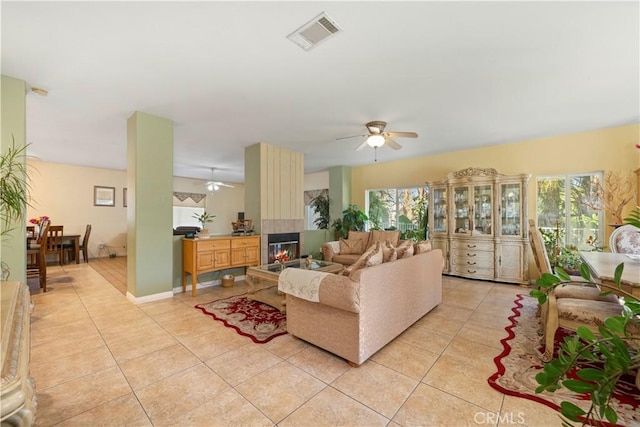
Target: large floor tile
428, 406
369, 385
405, 358
319, 363
237, 366
332, 408
226, 409
166, 401
280, 390
124, 411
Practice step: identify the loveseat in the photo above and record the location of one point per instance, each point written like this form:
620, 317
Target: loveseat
355, 316
347, 251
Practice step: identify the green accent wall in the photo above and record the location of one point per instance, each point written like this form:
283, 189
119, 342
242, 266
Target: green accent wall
150, 206
339, 190
14, 124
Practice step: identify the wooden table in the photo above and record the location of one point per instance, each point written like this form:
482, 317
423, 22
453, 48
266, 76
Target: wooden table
263, 280
66, 238
603, 264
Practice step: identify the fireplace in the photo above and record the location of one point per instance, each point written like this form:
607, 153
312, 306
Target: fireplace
283, 247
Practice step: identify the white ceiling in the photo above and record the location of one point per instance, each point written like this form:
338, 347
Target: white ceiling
459, 74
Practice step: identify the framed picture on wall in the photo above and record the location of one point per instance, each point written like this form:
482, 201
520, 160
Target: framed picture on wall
104, 196
124, 197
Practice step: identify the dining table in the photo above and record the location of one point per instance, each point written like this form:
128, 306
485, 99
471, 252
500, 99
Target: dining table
602, 266
61, 240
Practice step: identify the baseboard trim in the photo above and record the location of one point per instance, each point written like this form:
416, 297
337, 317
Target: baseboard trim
201, 285
149, 298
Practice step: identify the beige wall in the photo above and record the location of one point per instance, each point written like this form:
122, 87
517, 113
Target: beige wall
598, 150
65, 193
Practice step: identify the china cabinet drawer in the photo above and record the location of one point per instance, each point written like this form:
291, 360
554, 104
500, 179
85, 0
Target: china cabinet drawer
472, 245
472, 271
472, 256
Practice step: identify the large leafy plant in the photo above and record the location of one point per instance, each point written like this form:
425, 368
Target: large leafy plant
320, 207
616, 350
353, 219
13, 186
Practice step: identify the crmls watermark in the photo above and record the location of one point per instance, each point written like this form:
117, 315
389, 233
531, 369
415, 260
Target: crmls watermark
506, 418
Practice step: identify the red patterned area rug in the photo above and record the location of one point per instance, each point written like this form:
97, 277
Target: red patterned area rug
519, 363
253, 319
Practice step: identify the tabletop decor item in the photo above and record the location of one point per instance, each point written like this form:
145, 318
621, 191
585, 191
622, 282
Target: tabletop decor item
203, 219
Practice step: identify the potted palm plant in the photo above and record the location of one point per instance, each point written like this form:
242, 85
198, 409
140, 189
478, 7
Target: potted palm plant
203, 219
13, 194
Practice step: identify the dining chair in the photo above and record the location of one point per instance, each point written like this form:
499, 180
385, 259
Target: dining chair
625, 240
54, 242
37, 254
69, 247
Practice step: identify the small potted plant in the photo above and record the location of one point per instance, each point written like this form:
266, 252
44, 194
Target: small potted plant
203, 219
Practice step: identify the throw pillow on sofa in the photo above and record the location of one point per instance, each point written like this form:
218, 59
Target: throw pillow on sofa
421, 247
373, 256
405, 250
392, 237
351, 247
389, 253
362, 236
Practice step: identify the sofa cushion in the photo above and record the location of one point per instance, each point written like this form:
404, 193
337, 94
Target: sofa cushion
392, 237
405, 250
359, 235
351, 247
346, 260
421, 247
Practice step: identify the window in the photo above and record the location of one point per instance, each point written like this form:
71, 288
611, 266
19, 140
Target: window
402, 209
561, 209
183, 216
185, 206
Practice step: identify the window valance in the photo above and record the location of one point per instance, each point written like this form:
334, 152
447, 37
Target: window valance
194, 200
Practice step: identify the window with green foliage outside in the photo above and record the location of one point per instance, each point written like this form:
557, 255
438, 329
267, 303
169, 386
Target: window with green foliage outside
403, 209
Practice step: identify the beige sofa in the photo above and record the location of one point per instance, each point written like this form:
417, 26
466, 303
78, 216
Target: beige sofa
347, 251
355, 317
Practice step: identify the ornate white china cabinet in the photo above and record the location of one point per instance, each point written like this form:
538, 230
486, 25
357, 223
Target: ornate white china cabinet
477, 217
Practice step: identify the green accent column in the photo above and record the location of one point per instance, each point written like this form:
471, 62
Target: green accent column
149, 205
13, 244
339, 190
252, 188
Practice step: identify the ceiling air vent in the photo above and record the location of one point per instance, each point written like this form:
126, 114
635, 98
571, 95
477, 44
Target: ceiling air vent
314, 32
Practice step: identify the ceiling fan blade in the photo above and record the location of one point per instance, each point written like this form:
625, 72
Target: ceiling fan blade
361, 146
347, 137
222, 184
391, 143
402, 134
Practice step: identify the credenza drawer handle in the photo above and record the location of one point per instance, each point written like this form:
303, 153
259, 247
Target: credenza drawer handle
471, 246
469, 271
471, 263
472, 254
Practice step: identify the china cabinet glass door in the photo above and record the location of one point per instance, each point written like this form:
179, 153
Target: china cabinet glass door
440, 210
461, 220
510, 210
482, 210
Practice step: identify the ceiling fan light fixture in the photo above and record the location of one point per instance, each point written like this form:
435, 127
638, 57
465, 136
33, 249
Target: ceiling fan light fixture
375, 141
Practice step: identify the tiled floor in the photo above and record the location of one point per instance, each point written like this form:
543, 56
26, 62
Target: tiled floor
98, 359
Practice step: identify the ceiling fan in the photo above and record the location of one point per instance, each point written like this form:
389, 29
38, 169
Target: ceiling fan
214, 185
377, 137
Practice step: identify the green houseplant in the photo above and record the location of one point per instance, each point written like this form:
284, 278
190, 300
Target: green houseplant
203, 219
352, 219
13, 192
320, 207
617, 349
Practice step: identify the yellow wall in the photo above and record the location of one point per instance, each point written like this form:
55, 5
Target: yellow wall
598, 150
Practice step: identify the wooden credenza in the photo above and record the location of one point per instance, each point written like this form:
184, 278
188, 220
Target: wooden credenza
202, 255
18, 389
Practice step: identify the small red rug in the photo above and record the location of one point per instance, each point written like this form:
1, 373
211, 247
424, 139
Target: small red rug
253, 319
519, 363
